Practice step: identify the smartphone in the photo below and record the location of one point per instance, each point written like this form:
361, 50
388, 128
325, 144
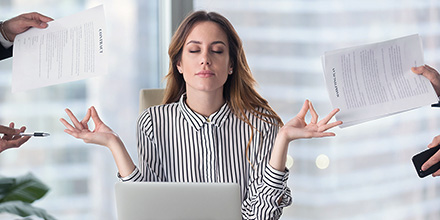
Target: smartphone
420, 158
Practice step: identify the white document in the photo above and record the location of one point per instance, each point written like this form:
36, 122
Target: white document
70, 48
375, 80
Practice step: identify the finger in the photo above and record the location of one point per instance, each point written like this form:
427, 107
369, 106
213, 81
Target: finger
327, 118
72, 133
10, 136
17, 135
35, 19
66, 124
431, 161
7, 137
427, 71
86, 119
323, 134
418, 70
6, 130
437, 173
429, 68
314, 119
74, 120
79, 135
435, 142
302, 113
17, 143
95, 116
38, 16
329, 126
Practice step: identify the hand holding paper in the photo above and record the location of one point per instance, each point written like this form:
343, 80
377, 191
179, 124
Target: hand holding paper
22, 23
372, 81
69, 49
431, 74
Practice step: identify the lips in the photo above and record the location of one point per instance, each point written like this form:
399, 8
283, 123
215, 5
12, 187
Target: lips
205, 73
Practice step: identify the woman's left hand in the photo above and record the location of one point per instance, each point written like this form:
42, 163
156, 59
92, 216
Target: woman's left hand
298, 128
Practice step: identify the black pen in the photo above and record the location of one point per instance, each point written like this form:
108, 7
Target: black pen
35, 134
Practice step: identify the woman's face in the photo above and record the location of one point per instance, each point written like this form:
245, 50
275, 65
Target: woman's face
205, 61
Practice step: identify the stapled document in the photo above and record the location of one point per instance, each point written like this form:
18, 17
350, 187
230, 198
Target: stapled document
69, 49
371, 81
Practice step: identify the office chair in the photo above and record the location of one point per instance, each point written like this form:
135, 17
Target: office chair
150, 97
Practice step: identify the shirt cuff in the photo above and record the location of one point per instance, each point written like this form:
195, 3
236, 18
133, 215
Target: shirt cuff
129, 177
5, 43
275, 178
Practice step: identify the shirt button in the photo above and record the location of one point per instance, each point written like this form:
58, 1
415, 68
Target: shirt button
208, 120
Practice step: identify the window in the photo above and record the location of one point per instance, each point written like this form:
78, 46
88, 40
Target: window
369, 173
82, 176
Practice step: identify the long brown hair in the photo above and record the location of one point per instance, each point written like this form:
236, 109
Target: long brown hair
238, 91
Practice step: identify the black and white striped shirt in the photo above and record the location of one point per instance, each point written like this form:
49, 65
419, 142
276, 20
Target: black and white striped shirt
175, 144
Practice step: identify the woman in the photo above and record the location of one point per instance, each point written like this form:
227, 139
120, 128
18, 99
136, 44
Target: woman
214, 126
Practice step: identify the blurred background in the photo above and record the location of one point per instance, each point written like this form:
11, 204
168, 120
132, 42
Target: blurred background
363, 173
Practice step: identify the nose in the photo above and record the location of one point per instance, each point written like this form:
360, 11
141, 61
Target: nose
205, 59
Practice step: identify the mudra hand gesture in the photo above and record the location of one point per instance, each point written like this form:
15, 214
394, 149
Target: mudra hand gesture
298, 128
102, 134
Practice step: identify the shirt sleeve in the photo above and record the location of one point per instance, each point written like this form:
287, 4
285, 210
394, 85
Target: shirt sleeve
149, 168
5, 43
268, 192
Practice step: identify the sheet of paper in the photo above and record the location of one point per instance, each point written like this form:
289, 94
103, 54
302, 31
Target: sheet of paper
375, 80
70, 48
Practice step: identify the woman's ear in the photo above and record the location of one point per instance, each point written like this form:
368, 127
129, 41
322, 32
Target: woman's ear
179, 67
231, 69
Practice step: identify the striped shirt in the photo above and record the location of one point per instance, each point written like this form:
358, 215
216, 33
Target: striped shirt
176, 144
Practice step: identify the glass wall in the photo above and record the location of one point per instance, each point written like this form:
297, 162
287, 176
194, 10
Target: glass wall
369, 175
82, 176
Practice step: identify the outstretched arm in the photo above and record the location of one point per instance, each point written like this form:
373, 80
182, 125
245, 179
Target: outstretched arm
101, 135
297, 128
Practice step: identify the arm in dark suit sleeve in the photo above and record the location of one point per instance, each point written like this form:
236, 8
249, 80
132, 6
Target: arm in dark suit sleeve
5, 53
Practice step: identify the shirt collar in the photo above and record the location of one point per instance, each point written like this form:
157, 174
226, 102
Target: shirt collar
197, 120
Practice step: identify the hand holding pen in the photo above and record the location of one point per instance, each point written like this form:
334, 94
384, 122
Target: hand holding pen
11, 137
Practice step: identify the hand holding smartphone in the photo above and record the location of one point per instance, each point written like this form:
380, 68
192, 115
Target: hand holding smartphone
420, 158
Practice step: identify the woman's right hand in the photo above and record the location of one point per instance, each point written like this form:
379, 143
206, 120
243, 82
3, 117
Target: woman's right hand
102, 134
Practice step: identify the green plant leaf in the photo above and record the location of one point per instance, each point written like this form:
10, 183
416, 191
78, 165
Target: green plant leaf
24, 209
5, 184
26, 188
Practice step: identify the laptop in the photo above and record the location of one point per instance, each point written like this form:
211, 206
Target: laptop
172, 201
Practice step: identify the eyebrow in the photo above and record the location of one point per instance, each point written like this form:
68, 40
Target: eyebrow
198, 42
